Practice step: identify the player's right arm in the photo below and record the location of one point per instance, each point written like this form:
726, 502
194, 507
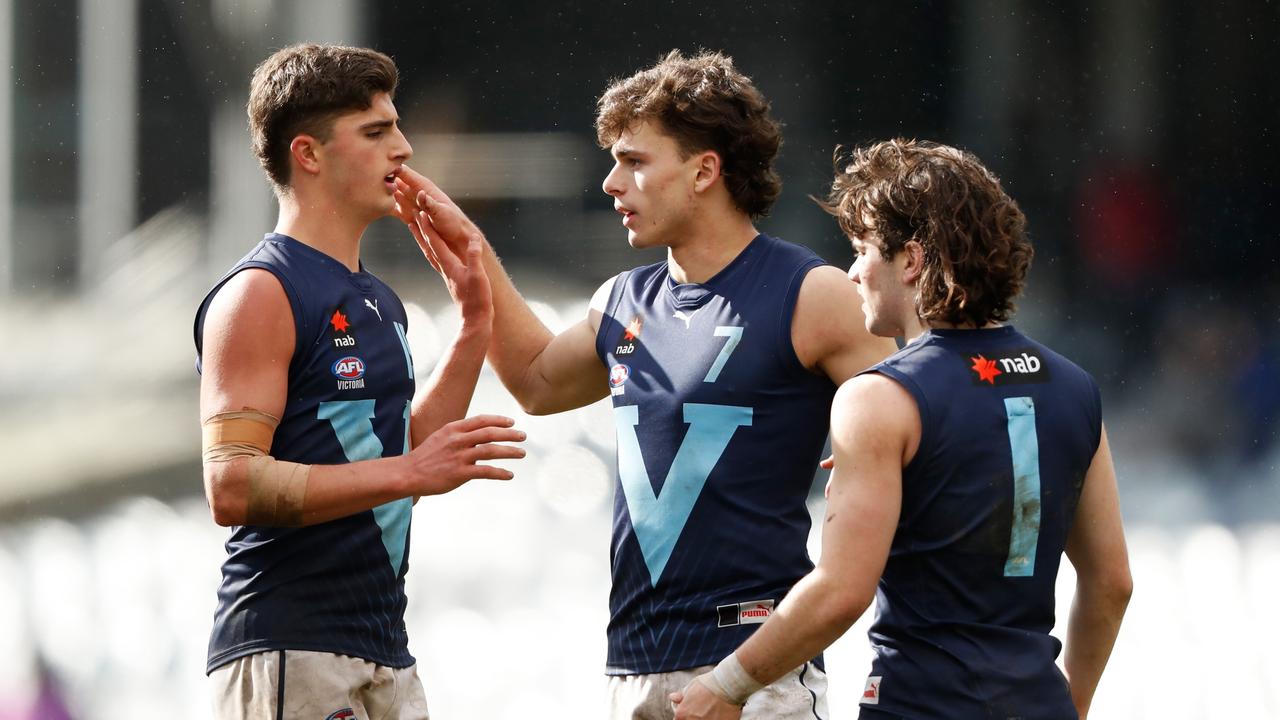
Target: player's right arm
1096, 549
545, 372
247, 345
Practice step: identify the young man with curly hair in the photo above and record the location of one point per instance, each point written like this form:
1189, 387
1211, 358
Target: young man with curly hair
721, 363
965, 466
314, 445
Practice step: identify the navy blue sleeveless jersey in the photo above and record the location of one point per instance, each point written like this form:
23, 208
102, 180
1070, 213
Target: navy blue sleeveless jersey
719, 429
337, 586
965, 605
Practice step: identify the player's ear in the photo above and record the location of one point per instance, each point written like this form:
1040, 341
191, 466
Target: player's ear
707, 170
305, 150
915, 261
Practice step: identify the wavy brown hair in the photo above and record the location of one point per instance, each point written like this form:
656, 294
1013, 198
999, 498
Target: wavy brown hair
704, 103
976, 252
302, 89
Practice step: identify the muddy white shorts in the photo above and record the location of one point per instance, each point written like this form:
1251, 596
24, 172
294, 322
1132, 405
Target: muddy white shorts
799, 695
288, 684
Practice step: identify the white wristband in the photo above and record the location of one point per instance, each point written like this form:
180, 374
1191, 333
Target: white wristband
731, 681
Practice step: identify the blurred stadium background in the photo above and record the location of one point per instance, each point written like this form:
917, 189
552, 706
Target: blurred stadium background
1140, 137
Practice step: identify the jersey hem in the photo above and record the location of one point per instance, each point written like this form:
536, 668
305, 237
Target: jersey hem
257, 646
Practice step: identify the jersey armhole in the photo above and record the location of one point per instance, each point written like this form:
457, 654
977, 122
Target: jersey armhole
922, 407
788, 313
291, 293
608, 315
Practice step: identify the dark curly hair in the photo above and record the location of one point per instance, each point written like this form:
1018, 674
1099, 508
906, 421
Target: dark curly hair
704, 103
976, 252
302, 89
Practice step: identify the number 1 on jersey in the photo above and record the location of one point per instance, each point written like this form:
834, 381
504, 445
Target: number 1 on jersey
1025, 449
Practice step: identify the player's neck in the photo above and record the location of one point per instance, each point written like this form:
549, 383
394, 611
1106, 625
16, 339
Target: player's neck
921, 326
322, 227
710, 247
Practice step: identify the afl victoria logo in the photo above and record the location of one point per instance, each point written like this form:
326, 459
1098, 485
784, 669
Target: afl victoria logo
618, 375
349, 368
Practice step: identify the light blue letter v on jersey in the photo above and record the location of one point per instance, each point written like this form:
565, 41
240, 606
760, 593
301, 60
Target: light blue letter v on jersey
659, 518
352, 422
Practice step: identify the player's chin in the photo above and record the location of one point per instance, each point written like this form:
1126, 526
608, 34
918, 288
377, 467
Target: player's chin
640, 242
387, 206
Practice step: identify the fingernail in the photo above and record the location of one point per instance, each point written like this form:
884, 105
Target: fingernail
522, 436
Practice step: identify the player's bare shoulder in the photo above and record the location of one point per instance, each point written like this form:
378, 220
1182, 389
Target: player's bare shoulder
600, 302
248, 341
876, 408
251, 303
828, 329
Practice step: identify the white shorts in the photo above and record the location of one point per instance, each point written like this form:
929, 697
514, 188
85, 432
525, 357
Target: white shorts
287, 684
799, 695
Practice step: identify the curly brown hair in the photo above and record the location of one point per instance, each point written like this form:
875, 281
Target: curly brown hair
301, 89
976, 251
704, 103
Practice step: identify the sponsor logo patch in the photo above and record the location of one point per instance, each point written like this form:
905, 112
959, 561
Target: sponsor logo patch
349, 368
618, 375
871, 693
340, 330
686, 317
339, 321
630, 337
350, 372
1014, 367
754, 612
343, 714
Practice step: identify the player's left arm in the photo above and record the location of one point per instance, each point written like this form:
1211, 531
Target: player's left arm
828, 329
1097, 550
446, 395
875, 428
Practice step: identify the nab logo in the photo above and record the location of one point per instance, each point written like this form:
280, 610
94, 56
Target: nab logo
1026, 363
986, 369
344, 342
625, 349
339, 321
349, 368
1017, 367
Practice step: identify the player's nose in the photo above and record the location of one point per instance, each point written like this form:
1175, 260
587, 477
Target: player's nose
403, 150
612, 185
855, 273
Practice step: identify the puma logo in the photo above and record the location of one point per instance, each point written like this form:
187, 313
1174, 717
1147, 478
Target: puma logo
680, 315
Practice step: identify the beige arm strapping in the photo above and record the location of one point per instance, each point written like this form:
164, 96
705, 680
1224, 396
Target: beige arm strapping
277, 488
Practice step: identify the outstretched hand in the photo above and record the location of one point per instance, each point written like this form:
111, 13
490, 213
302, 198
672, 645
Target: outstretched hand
449, 240
452, 455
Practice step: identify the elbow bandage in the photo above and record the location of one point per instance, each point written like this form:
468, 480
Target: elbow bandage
731, 681
276, 489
